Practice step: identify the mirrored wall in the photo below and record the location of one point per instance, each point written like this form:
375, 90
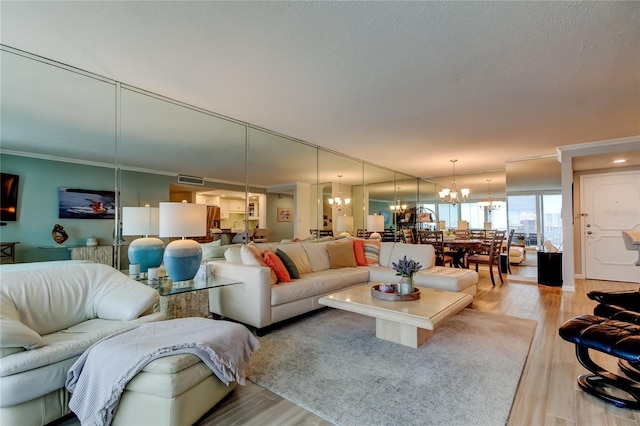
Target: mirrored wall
63, 129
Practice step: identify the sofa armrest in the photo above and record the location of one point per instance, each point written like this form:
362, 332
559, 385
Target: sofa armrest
248, 302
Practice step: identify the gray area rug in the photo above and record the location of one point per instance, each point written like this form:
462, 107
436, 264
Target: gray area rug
332, 364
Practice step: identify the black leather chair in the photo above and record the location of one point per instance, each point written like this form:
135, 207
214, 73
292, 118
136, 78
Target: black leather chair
621, 305
617, 338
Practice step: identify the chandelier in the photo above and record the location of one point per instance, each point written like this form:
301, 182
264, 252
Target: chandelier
400, 208
450, 195
338, 201
489, 205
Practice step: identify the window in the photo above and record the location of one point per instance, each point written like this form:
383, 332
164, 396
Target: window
449, 214
536, 217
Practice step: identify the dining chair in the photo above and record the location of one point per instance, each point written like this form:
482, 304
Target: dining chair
436, 239
260, 235
491, 259
407, 234
461, 234
506, 253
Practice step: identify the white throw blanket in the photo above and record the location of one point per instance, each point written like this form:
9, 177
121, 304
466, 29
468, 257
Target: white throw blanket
98, 378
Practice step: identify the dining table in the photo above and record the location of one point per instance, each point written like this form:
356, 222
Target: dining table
460, 248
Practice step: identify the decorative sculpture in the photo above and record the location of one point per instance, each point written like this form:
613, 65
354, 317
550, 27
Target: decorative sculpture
549, 247
59, 235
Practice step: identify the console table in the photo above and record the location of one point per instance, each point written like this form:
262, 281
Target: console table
8, 252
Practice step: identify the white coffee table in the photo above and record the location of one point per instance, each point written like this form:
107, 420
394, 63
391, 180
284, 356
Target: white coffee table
409, 323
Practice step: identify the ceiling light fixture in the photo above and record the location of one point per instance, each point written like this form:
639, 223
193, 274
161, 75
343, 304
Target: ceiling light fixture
400, 208
450, 195
338, 201
622, 160
489, 205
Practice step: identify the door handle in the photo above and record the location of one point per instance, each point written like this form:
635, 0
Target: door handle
589, 232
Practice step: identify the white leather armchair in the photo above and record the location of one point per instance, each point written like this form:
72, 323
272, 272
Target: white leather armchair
50, 313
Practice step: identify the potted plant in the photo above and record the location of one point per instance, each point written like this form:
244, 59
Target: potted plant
406, 268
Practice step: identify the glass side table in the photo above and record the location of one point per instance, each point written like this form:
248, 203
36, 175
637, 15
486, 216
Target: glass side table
185, 298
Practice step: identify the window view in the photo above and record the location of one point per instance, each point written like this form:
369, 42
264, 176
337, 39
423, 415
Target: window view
551, 219
536, 218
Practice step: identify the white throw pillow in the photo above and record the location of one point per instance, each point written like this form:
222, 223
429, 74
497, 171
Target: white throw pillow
232, 254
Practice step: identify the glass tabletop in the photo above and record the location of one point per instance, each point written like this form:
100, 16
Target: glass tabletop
167, 287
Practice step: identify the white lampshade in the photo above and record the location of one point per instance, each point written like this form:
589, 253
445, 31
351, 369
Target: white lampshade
140, 221
375, 223
487, 225
183, 220
463, 224
345, 223
441, 225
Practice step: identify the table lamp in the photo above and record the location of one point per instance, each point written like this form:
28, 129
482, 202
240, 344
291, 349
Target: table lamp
345, 224
146, 252
375, 223
182, 257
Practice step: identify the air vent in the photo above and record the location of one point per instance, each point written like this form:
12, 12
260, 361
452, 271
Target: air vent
191, 180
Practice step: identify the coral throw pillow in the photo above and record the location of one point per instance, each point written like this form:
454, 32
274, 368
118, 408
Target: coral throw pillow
277, 266
372, 252
358, 250
341, 255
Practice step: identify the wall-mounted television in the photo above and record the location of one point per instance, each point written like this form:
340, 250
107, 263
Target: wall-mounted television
8, 197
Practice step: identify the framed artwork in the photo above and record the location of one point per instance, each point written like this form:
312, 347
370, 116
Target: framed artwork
75, 203
284, 214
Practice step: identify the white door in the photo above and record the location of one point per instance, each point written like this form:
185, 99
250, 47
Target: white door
610, 204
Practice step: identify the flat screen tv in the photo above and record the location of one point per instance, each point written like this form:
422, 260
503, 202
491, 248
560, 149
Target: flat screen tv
8, 197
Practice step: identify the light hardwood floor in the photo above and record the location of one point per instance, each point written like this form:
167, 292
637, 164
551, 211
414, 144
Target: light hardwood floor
547, 394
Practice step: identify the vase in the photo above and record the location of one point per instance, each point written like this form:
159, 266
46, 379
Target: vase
406, 285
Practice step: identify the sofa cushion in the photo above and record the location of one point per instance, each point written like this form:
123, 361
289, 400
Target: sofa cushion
341, 255
298, 255
318, 256
62, 345
288, 263
444, 278
317, 283
276, 264
423, 253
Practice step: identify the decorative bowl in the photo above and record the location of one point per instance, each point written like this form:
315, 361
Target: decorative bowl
386, 288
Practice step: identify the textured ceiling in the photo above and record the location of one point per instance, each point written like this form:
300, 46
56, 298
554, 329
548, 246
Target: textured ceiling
406, 85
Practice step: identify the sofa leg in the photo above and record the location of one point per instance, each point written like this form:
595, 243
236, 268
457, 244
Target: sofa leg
595, 384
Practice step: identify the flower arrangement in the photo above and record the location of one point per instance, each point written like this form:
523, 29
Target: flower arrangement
406, 267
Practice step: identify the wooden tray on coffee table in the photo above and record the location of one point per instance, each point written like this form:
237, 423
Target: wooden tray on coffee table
395, 296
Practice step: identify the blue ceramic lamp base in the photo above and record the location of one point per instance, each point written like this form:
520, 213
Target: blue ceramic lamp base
182, 259
147, 252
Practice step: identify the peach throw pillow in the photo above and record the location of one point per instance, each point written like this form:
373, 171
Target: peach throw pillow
276, 264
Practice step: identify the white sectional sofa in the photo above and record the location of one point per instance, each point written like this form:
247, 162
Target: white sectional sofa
50, 313
260, 303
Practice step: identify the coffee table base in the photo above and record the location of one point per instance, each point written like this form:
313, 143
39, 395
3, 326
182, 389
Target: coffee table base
404, 334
